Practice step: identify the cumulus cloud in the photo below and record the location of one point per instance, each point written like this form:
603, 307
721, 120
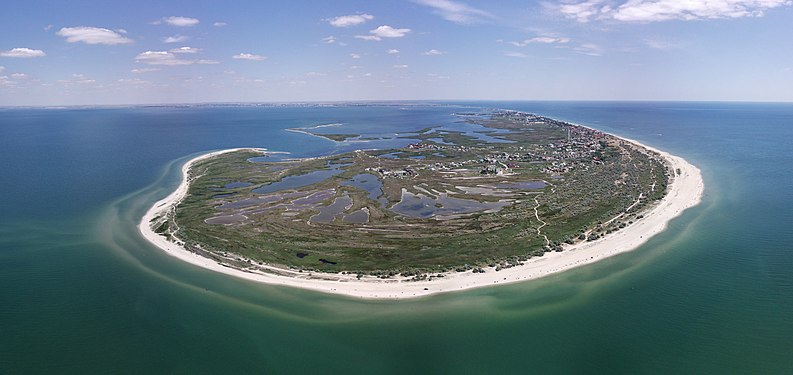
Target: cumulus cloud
207, 62
161, 58
329, 40
401, 66
186, 50
541, 40
433, 52
23, 52
374, 38
180, 21
143, 70
583, 11
515, 54
77, 79
355, 56
392, 51
175, 39
219, 24
350, 20
455, 11
665, 10
386, 31
249, 56
92, 35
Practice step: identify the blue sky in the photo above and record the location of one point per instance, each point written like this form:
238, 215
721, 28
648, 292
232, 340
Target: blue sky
102, 52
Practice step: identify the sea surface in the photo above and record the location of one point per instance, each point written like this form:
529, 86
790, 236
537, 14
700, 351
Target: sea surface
82, 292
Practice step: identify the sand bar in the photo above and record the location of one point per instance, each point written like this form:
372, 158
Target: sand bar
684, 190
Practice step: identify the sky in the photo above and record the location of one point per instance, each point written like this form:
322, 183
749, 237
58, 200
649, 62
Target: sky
81, 52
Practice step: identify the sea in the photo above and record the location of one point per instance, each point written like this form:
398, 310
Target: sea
82, 292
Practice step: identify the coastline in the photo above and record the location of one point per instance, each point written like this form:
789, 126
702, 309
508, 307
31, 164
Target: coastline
684, 191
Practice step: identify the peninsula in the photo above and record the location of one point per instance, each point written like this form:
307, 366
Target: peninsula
504, 197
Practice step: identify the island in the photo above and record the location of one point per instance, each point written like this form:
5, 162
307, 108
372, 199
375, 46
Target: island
521, 197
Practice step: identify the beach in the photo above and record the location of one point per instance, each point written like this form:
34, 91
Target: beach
685, 190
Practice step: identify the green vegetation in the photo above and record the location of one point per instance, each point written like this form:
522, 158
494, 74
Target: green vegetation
465, 204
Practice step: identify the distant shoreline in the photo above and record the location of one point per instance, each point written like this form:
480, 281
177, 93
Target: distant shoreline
684, 191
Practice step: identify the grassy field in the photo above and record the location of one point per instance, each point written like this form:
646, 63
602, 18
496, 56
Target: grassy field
457, 204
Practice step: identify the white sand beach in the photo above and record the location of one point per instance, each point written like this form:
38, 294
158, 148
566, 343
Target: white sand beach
685, 190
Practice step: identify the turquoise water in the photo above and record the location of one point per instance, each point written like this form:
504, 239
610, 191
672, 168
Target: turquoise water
80, 291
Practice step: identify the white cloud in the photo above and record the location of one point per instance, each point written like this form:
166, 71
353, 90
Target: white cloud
175, 39
219, 24
329, 40
541, 40
19, 75
92, 35
392, 51
143, 70
355, 56
662, 45
207, 62
77, 79
515, 54
315, 74
402, 66
455, 11
664, 10
48, 27
350, 20
161, 58
386, 31
180, 21
369, 37
581, 12
23, 53
185, 50
433, 52
134, 82
249, 56
589, 49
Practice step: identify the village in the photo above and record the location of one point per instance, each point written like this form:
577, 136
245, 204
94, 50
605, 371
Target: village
580, 147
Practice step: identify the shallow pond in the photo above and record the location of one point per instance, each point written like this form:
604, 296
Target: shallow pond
371, 184
295, 182
328, 213
422, 206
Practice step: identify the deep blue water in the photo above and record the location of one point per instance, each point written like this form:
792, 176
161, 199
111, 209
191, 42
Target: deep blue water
80, 291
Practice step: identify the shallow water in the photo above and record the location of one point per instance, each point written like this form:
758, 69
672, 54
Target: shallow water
84, 293
369, 183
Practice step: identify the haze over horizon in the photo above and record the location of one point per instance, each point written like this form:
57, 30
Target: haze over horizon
95, 53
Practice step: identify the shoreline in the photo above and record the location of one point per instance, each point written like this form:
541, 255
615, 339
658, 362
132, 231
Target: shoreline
684, 191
